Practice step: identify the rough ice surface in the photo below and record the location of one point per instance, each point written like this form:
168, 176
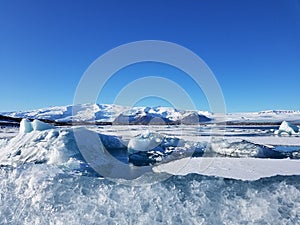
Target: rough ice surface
288, 128
44, 194
53, 146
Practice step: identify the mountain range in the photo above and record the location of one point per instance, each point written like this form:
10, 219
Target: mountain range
122, 115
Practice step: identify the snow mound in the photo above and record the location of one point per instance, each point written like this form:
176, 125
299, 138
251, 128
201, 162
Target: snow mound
288, 128
56, 146
26, 126
53, 146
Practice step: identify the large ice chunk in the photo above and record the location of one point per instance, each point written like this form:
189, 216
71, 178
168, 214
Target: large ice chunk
145, 142
25, 126
39, 125
288, 128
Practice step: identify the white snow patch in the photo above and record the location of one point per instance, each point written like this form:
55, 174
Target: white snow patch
235, 168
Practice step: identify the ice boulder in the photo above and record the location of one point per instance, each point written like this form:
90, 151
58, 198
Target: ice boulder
288, 128
25, 126
144, 142
39, 125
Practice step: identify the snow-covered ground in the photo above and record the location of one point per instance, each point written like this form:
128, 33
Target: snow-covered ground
8, 132
235, 168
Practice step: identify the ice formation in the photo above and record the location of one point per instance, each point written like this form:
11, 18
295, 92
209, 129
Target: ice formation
25, 126
145, 142
36, 125
40, 126
288, 128
108, 156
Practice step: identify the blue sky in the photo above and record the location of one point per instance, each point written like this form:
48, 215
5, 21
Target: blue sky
253, 48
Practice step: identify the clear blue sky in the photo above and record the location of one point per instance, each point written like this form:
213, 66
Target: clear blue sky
252, 46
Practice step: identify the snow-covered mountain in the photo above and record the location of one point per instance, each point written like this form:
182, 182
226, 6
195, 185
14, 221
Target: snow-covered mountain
114, 114
77, 113
269, 116
160, 115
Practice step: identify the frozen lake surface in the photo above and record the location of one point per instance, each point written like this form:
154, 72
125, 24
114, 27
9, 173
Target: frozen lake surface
192, 174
